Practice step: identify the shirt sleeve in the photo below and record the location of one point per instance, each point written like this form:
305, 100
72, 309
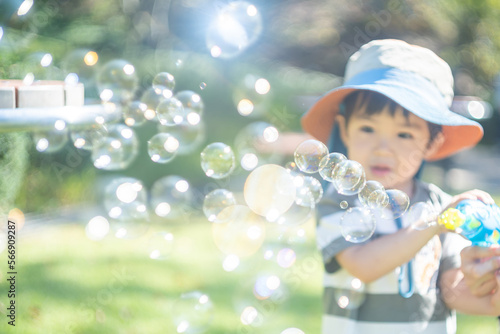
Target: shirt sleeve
329, 236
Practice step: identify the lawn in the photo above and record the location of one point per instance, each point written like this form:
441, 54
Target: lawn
67, 283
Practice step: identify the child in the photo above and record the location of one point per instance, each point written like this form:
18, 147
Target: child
391, 115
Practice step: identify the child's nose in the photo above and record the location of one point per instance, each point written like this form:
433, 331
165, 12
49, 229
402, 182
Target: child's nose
383, 146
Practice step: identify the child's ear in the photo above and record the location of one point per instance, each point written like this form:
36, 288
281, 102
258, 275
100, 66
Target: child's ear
434, 145
340, 120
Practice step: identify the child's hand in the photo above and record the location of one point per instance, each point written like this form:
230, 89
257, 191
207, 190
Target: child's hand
480, 268
475, 194
471, 194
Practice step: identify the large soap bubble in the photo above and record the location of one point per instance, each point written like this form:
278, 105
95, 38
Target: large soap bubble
269, 191
352, 295
216, 201
163, 81
192, 313
327, 165
160, 245
349, 177
357, 224
117, 150
171, 197
421, 215
162, 147
217, 160
53, 140
373, 195
117, 81
241, 232
254, 145
237, 26
398, 203
309, 154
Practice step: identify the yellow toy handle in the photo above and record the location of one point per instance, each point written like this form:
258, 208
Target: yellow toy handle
451, 219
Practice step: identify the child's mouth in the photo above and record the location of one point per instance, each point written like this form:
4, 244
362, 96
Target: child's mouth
380, 170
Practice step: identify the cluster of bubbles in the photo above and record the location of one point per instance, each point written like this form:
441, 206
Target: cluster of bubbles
348, 177
273, 195
115, 146
239, 229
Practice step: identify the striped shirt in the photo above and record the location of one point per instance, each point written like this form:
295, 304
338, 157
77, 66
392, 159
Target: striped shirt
377, 307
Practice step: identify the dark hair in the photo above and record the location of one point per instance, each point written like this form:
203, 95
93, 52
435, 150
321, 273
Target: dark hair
375, 103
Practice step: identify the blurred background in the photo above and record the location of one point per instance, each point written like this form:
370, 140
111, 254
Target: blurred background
248, 70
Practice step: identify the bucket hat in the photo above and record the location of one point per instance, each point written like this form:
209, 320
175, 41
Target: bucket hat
412, 76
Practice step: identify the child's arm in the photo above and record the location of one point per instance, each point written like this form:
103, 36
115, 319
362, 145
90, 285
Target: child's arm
370, 261
375, 259
457, 295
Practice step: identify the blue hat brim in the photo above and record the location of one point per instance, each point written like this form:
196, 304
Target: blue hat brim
413, 92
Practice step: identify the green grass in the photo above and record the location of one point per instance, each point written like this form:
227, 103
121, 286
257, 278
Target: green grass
67, 283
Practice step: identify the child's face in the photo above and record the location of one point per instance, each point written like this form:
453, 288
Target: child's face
390, 148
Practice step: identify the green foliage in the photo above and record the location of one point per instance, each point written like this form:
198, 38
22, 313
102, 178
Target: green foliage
13, 164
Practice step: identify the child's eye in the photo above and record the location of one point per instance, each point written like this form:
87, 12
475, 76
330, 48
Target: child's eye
405, 135
366, 129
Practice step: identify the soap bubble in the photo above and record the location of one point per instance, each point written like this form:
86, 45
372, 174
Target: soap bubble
398, 203
129, 220
123, 190
216, 201
344, 205
171, 112
357, 224
251, 316
292, 168
171, 197
217, 160
40, 66
236, 27
192, 313
81, 62
163, 81
421, 215
286, 257
190, 136
203, 85
191, 101
268, 286
97, 228
308, 190
297, 214
248, 97
160, 245
269, 191
162, 147
86, 138
253, 145
230, 263
152, 99
352, 295
134, 113
125, 201
349, 177
117, 81
117, 150
309, 154
327, 165
51, 140
373, 195
241, 232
